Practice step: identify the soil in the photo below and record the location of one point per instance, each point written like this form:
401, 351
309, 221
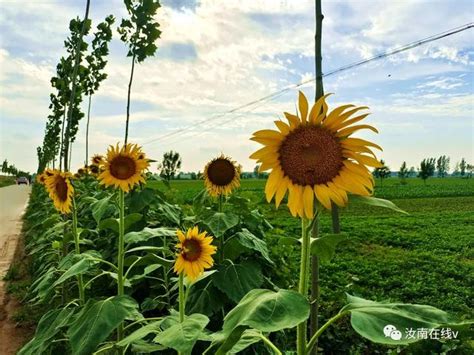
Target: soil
13, 201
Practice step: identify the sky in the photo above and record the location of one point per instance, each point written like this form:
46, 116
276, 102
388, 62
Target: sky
214, 56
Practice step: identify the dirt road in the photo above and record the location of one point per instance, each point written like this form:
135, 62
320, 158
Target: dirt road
13, 200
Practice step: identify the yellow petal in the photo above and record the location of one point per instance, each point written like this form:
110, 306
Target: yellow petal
292, 119
348, 131
334, 114
280, 193
268, 133
347, 123
359, 149
358, 142
322, 194
266, 141
366, 160
262, 152
272, 183
283, 127
303, 106
316, 109
308, 198
343, 117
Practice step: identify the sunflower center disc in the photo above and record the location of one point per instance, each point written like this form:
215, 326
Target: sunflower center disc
122, 167
221, 172
310, 155
61, 189
191, 250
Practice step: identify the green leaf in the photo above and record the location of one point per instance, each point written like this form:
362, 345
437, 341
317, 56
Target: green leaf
97, 321
221, 222
370, 319
248, 337
140, 333
378, 202
114, 223
146, 271
263, 310
82, 265
235, 280
149, 233
204, 275
182, 336
101, 207
249, 241
49, 325
204, 298
325, 246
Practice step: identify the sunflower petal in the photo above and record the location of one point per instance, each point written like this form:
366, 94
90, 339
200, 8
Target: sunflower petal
308, 198
358, 142
322, 194
272, 183
303, 106
292, 119
282, 126
334, 114
348, 131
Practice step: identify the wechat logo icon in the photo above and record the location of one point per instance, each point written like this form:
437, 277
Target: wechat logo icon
391, 331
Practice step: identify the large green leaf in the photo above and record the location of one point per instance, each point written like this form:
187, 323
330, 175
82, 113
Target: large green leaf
204, 298
97, 321
182, 336
378, 202
249, 337
113, 223
101, 207
48, 327
221, 222
263, 310
390, 323
325, 246
149, 233
84, 263
246, 241
140, 333
235, 280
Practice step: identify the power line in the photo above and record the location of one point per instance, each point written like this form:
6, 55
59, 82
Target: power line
335, 71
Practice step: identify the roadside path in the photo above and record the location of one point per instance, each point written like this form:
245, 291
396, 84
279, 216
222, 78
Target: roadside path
13, 200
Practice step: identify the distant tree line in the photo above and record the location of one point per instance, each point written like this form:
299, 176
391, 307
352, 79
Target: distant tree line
10, 169
428, 168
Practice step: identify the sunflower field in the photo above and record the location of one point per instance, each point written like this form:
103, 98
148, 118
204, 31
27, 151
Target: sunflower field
122, 262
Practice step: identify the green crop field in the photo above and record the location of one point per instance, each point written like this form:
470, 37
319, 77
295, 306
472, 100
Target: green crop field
424, 257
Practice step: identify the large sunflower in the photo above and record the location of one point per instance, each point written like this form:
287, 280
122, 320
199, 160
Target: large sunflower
60, 189
123, 167
195, 250
221, 176
314, 155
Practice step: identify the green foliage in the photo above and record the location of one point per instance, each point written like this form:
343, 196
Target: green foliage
140, 31
442, 166
403, 173
382, 172
170, 165
427, 168
369, 319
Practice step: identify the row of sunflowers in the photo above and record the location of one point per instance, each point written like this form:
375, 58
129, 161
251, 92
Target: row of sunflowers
121, 269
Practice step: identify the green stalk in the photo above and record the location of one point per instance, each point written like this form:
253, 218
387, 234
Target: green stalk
270, 345
315, 337
303, 283
80, 282
120, 256
182, 301
221, 237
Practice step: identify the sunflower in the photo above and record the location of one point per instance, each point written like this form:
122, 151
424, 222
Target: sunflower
97, 159
81, 171
195, 250
60, 189
314, 155
123, 167
221, 176
94, 169
41, 178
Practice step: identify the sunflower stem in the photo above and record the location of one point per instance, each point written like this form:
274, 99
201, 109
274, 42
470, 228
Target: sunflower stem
182, 300
121, 254
270, 345
221, 237
80, 282
303, 283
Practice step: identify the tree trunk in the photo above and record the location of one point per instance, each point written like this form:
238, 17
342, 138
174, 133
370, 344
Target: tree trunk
62, 140
319, 93
87, 131
128, 98
73, 89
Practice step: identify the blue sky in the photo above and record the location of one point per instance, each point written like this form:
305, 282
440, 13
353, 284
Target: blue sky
214, 56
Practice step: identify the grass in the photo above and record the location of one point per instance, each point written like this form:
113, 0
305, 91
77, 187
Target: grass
425, 257
6, 181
